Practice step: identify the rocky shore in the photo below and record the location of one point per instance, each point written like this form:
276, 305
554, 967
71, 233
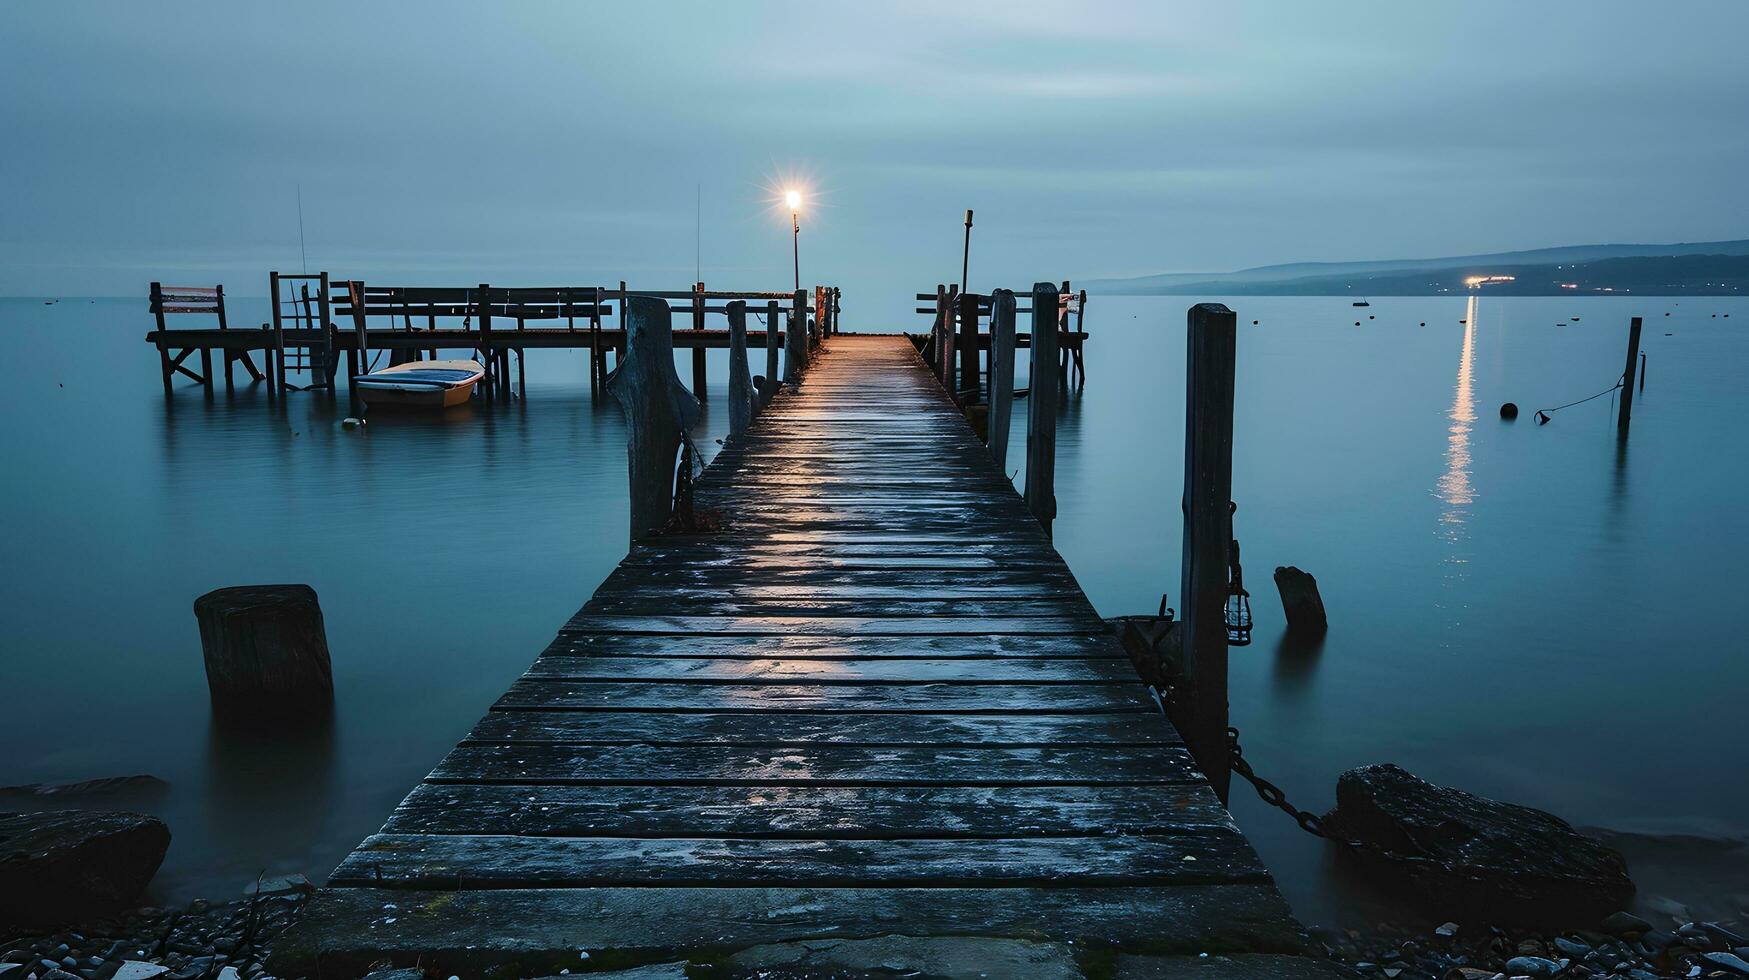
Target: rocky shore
205, 941
1622, 947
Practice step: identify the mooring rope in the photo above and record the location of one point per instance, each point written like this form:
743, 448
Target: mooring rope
1542, 414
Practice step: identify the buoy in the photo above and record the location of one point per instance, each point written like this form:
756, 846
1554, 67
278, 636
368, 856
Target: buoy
1542, 417
1254, 323
350, 423
1509, 411
1424, 323
1371, 317
1357, 323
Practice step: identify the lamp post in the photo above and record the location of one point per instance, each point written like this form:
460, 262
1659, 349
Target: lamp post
795, 224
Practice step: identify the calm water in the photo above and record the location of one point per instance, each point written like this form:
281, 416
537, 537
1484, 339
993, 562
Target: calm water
1530, 612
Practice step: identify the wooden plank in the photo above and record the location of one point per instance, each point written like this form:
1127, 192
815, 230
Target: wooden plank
1112, 670
801, 728
651, 604
565, 764
830, 625
504, 861
341, 932
877, 698
833, 647
805, 812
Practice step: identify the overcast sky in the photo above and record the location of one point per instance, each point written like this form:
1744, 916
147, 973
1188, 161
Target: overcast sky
569, 143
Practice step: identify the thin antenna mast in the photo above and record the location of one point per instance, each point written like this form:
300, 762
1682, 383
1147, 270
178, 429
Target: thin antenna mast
303, 257
698, 233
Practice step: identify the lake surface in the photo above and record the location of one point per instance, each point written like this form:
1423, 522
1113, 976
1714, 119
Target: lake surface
1537, 613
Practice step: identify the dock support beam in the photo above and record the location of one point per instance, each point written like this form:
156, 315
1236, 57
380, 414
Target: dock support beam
657, 410
1200, 708
1041, 408
1001, 376
795, 351
699, 379
772, 343
968, 344
740, 384
1627, 379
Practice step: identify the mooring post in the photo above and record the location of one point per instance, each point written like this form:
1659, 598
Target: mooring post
224, 354
595, 342
768, 390
1041, 408
935, 345
698, 365
795, 352
1001, 375
657, 411
1627, 379
483, 313
163, 353
278, 333
740, 382
1201, 706
968, 344
837, 306
326, 329
944, 363
1063, 325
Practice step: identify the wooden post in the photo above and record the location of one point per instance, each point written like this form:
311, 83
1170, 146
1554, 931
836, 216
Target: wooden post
837, 306
934, 331
224, 354
772, 312
657, 410
1063, 325
1627, 379
266, 650
944, 362
698, 363
278, 333
595, 344
1041, 408
1300, 601
795, 350
164, 367
1208, 493
968, 344
1001, 375
483, 304
521, 355
326, 329
740, 382
206, 370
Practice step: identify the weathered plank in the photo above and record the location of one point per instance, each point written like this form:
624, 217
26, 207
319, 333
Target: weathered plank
879, 698
342, 931
910, 670
564, 764
805, 728
833, 647
507, 861
807, 812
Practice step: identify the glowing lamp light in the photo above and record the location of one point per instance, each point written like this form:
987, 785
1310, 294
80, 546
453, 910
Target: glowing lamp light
793, 199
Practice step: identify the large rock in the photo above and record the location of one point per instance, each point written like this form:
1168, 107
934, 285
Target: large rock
1470, 858
64, 867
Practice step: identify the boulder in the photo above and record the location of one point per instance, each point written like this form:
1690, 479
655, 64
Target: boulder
1470, 858
67, 866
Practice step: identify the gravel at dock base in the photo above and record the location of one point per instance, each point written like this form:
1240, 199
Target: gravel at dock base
205, 941
1623, 947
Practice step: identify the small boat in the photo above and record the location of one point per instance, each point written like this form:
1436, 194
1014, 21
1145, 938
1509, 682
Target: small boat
421, 384
1363, 303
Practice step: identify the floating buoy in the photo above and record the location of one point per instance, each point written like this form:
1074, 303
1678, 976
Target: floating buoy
1371, 317
1666, 313
1357, 323
1424, 323
1542, 417
1463, 321
351, 423
1254, 323
1509, 411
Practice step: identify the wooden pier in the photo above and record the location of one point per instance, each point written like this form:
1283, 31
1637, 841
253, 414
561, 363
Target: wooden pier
873, 701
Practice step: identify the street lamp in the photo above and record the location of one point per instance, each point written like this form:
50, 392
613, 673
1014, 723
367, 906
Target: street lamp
794, 199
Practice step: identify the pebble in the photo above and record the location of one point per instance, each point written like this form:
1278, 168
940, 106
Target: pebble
1532, 966
1625, 924
1730, 962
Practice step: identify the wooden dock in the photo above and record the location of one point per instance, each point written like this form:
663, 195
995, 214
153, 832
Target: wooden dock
874, 702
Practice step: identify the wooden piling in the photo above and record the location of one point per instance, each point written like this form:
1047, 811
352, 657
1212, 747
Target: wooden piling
1201, 706
944, 363
968, 344
325, 312
740, 383
1001, 375
795, 352
1041, 408
657, 411
483, 306
1627, 383
266, 651
698, 363
595, 343
772, 312
935, 342
278, 333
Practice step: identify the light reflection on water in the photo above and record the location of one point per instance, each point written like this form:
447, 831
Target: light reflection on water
1564, 637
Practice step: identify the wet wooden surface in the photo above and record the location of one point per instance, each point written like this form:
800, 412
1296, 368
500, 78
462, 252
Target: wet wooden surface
878, 683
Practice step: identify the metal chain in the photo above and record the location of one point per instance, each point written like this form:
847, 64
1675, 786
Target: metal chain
1310, 822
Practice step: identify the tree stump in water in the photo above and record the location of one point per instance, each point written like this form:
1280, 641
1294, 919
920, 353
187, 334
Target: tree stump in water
266, 650
657, 411
1300, 601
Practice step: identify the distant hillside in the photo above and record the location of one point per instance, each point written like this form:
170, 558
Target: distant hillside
1702, 268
